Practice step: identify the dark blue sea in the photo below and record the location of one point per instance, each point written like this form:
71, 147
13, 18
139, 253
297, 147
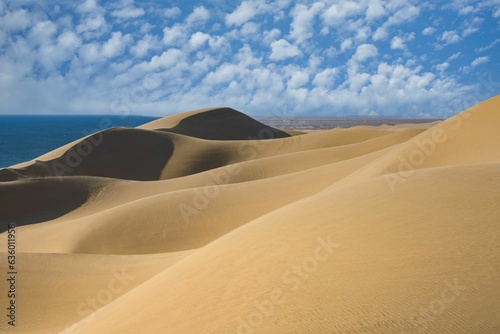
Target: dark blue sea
25, 137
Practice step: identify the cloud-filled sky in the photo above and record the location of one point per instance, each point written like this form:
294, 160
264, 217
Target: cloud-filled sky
292, 58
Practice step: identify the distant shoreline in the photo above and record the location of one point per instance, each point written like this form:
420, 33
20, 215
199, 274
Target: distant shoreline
324, 123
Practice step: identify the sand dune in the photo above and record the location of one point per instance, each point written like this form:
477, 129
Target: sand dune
375, 278
223, 124
137, 154
242, 228
60, 273
37, 200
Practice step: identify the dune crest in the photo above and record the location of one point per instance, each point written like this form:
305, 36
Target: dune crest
211, 222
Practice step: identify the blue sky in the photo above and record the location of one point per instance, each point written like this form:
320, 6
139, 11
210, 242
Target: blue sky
265, 58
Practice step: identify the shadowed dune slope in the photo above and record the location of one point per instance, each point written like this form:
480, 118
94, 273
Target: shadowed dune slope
117, 153
120, 192
189, 212
139, 154
31, 201
172, 120
193, 155
224, 124
183, 219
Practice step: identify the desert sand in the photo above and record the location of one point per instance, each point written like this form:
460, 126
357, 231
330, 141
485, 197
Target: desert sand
209, 221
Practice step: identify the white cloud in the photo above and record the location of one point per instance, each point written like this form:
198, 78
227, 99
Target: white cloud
87, 58
397, 43
314, 62
466, 10
480, 60
337, 13
198, 39
362, 34
223, 74
471, 26
172, 12
199, 16
298, 79
303, 19
489, 46
282, 49
270, 35
375, 10
90, 53
42, 32
346, 44
497, 13
428, 31
404, 15
87, 6
250, 29
400, 83
249, 9
326, 78
220, 45
469, 31
146, 27
128, 12
454, 56
115, 46
246, 57
3, 38
94, 23
450, 37
364, 52
357, 81
380, 34
52, 49
173, 35
144, 45
17, 20
69, 39
245, 12
166, 60
442, 67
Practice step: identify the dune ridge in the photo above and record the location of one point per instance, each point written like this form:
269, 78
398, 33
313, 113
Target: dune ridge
211, 222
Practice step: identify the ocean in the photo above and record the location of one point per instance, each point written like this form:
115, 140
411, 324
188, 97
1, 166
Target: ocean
25, 137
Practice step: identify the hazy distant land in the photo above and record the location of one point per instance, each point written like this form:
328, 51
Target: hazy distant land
324, 123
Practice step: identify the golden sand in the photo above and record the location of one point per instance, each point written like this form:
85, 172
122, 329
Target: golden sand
163, 229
